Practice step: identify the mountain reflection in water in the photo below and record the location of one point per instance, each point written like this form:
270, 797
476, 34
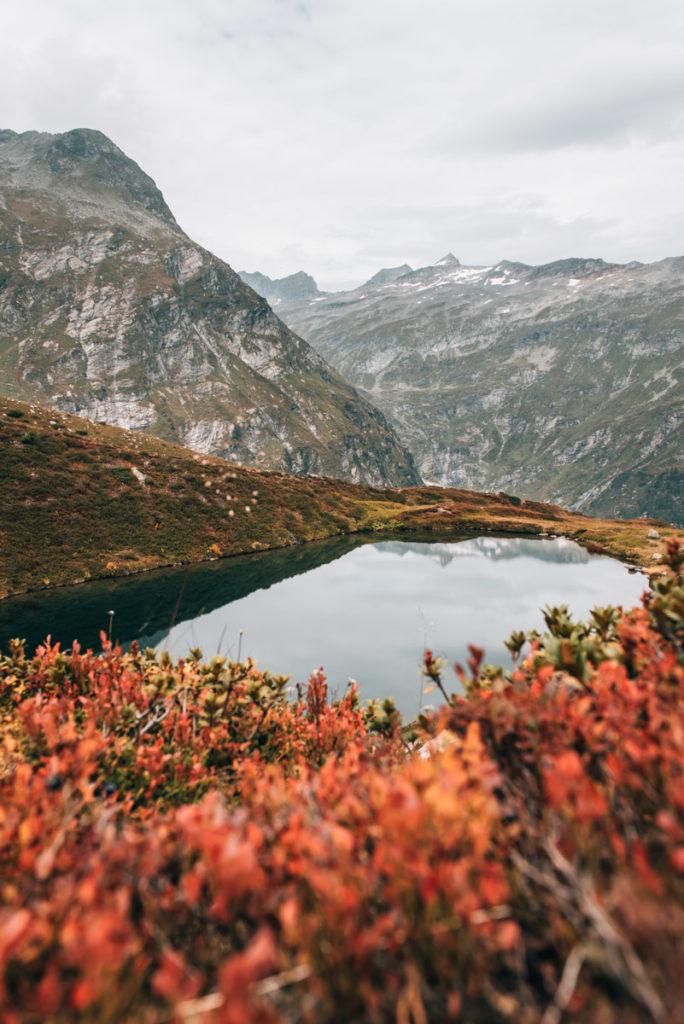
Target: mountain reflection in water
146, 605
359, 608
561, 550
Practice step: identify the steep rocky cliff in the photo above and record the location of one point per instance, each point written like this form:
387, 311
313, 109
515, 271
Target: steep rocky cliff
109, 310
563, 382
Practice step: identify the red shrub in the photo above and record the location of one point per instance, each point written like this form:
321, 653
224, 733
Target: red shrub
181, 842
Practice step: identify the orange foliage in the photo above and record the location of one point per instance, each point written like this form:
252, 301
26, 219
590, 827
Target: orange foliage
183, 842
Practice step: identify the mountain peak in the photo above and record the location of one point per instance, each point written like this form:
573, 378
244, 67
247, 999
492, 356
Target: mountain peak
448, 261
387, 275
293, 288
109, 310
81, 162
573, 267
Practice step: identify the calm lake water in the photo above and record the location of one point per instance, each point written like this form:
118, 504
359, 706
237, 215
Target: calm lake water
360, 610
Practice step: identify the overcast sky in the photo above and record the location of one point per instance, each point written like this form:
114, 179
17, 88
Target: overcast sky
341, 136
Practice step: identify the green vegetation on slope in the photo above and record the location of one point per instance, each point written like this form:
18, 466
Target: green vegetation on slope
84, 500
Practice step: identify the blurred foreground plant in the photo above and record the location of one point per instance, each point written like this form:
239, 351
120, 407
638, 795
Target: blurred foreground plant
183, 842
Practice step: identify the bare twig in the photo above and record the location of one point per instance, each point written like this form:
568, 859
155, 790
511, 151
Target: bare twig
622, 958
566, 986
229, 690
192, 1008
179, 599
156, 719
268, 986
499, 913
255, 730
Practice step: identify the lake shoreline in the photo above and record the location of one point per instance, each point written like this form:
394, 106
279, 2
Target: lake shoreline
84, 501
444, 532
364, 607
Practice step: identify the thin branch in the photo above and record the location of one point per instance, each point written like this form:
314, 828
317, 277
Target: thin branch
271, 985
623, 959
255, 730
566, 986
192, 1008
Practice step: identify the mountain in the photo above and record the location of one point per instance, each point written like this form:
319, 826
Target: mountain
562, 382
283, 289
386, 275
109, 310
495, 549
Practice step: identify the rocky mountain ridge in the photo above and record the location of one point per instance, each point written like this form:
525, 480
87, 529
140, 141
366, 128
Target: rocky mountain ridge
109, 310
292, 288
563, 382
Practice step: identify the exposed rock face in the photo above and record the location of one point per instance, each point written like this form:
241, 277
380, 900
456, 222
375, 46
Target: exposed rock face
387, 274
108, 309
563, 382
283, 289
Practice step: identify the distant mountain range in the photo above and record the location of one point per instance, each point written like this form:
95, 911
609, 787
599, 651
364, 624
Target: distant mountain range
563, 382
109, 310
284, 289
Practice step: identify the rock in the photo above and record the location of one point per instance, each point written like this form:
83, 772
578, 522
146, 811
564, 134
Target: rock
560, 382
653, 535
284, 289
109, 310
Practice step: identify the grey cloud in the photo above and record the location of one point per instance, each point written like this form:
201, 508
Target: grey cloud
651, 111
322, 134
486, 233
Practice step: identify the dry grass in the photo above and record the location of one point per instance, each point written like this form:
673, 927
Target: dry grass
73, 508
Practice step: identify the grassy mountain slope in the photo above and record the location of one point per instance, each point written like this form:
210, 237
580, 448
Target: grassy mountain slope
84, 500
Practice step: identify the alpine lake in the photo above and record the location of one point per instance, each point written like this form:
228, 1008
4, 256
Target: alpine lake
362, 610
